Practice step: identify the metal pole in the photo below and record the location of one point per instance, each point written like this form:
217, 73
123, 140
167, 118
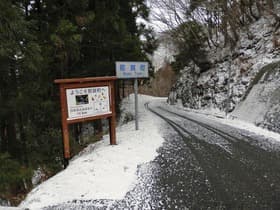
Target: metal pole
229, 89
136, 103
123, 86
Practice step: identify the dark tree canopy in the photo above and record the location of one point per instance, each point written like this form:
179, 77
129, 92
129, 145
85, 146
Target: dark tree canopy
214, 22
43, 40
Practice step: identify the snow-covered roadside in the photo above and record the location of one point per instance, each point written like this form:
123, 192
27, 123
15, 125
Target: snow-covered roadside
250, 127
218, 116
103, 171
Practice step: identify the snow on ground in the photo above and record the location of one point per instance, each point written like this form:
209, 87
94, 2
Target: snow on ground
250, 127
103, 171
254, 108
219, 116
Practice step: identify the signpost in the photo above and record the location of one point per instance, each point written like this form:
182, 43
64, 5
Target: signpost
129, 70
86, 99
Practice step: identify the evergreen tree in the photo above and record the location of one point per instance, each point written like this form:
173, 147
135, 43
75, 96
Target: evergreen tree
43, 40
20, 62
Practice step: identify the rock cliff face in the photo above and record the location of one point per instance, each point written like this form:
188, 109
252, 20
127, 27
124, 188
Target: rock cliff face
262, 105
239, 78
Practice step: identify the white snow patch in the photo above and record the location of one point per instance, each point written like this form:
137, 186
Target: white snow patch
218, 116
250, 127
103, 171
254, 107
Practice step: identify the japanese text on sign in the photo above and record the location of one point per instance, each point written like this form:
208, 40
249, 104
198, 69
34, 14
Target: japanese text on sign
87, 102
132, 69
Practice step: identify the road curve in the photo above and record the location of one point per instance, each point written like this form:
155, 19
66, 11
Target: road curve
201, 165
240, 174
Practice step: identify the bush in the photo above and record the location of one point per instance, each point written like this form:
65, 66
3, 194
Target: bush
45, 149
14, 179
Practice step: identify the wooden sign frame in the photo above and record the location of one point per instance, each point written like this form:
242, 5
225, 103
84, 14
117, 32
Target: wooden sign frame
89, 82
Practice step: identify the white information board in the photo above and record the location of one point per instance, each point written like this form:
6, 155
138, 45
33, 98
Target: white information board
87, 102
126, 70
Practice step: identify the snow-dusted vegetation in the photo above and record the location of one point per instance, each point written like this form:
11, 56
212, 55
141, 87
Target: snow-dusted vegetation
125, 175
242, 78
103, 171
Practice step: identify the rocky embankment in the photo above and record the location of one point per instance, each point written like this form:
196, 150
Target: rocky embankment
243, 80
262, 104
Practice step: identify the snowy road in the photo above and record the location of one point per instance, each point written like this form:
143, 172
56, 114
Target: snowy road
201, 164
227, 167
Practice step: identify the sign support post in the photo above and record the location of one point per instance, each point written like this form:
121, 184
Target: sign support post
65, 132
136, 103
135, 70
112, 120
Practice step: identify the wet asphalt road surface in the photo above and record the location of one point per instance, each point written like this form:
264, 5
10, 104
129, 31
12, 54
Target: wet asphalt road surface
202, 165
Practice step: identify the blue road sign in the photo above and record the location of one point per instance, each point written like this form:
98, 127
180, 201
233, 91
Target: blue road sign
127, 69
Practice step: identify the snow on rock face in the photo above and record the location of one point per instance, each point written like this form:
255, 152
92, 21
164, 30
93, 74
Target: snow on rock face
272, 118
232, 76
261, 106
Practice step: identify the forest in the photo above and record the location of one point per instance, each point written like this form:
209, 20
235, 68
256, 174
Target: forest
201, 24
44, 40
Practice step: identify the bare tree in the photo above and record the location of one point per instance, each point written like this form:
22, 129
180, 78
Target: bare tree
220, 17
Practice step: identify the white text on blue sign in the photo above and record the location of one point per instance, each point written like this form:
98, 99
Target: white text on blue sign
127, 70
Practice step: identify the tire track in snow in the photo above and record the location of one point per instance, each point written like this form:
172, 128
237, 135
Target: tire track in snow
266, 160
246, 175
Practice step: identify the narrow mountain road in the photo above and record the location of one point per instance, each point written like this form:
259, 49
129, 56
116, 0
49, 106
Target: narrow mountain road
236, 170
202, 165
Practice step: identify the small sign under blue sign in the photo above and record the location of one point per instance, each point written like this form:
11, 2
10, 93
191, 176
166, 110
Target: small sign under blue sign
127, 70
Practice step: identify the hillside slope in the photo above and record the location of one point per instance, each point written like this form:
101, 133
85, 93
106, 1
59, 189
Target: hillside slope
243, 81
262, 106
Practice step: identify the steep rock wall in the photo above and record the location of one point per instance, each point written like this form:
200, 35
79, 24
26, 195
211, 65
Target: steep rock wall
233, 76
262, 105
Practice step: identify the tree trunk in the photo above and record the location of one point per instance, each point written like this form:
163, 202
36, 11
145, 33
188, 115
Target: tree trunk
23, 140
12, 146
256, 17
259, 7
270, 4
39, 11
77, 132
98, 129
3, 136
